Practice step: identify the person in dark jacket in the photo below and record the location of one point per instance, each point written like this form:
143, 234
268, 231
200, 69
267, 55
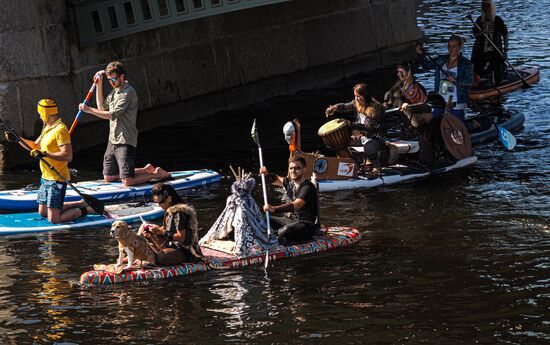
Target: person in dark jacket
483, 51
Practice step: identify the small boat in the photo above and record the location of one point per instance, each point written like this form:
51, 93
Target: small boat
331, 238
343, 173
510, 82
489, 125
398, 173
26, 223
25, 199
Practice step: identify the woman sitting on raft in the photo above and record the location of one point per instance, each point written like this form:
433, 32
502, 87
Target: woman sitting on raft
179, 228
366, 127
453, 75
407, 90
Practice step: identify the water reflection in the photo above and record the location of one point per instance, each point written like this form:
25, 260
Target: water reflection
461, 258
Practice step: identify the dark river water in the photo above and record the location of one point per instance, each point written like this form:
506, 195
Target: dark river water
458, 259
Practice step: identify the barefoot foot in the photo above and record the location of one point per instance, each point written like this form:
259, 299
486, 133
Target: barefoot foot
161, 173
149, 168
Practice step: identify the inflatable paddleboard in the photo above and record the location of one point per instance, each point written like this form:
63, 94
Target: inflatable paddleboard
25, 223
24, 199
489, 125
511, 82
332, 238
392, 174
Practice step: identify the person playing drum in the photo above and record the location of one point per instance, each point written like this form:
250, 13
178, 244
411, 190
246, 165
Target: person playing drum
366, 126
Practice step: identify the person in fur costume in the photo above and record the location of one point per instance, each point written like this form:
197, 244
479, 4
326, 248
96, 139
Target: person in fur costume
180, 229
366, 128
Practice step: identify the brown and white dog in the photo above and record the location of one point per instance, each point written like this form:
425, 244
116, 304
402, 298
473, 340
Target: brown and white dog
135, 246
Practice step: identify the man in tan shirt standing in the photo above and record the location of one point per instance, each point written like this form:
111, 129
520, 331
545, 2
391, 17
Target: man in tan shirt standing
120, 108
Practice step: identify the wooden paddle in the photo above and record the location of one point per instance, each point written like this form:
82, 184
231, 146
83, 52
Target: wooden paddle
256, 138
91, 201
391, 110
525, 85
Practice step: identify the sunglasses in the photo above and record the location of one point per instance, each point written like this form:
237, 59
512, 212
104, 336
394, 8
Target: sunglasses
114, 79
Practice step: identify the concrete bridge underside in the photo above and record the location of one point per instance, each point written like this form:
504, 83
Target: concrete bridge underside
192, 69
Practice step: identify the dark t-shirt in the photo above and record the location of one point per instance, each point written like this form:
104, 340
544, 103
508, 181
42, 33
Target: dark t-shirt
307, 192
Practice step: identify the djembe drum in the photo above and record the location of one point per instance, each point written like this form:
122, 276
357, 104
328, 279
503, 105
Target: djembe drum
336, 135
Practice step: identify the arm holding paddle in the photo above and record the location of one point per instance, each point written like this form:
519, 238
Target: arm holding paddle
98, 79
271, 178
505, 48
65, 153
99, 99
24, 143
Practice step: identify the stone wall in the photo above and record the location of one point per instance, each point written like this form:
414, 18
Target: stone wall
193, 69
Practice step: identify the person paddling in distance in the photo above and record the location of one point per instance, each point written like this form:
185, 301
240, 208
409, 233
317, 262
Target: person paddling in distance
453, 75
180, 230
120, 108
54, 146
483, 51
301, 224
406, 90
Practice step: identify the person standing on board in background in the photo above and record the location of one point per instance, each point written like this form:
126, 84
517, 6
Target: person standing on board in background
483, 51
54, 146
120, 108
406, 90
302, 223
453, 75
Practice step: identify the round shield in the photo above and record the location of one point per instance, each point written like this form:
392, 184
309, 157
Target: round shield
456, 137
320, 165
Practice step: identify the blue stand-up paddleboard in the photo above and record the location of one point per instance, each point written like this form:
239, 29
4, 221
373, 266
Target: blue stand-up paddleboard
24, 223
23, 199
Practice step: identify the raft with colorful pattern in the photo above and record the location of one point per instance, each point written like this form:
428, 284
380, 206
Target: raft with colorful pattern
332, 238
25, 199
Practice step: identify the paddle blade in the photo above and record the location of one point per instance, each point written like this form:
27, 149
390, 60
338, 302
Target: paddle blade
254, 133
506, 138
95, 204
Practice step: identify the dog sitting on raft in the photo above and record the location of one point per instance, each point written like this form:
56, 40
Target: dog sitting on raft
132, 245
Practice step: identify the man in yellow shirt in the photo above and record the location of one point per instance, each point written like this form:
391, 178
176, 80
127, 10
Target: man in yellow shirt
54, 145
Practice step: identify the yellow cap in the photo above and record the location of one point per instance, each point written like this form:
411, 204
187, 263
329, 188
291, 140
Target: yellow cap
45, 108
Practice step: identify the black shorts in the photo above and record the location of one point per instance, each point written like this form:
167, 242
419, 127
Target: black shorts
119, 160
